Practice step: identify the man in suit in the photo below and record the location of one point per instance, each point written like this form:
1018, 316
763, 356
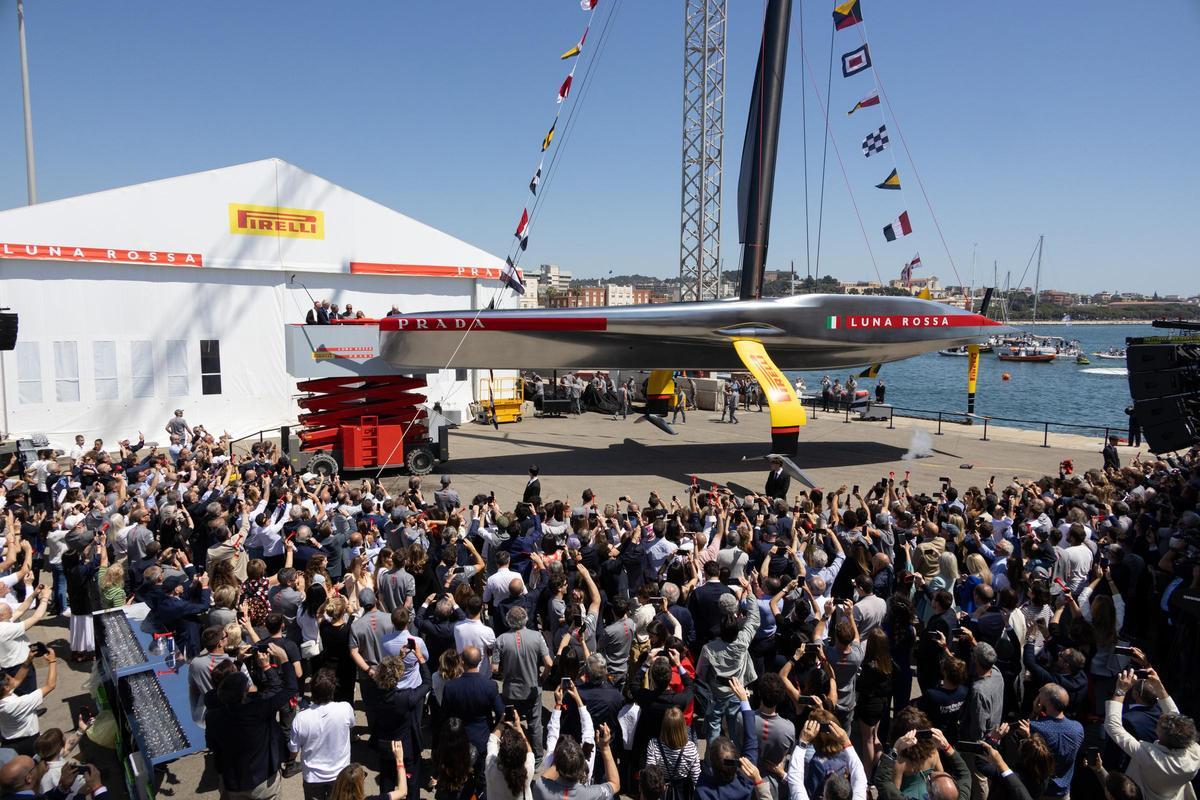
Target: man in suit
705, 604
1111, 459
533, 489
778, 481
473, 698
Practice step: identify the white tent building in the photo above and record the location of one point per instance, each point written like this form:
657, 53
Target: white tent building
175, 293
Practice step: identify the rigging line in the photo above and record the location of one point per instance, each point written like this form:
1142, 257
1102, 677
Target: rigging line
585, 85
1028, 263
498, 292
804, 147
513, 252
825, 148
845, 177
912, 163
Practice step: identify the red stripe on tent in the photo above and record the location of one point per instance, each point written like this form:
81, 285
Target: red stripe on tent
425, 270
110, 255
505, 323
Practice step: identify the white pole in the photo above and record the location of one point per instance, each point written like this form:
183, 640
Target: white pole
30, 171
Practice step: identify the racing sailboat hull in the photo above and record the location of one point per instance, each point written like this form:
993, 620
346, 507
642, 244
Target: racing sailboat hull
806, 332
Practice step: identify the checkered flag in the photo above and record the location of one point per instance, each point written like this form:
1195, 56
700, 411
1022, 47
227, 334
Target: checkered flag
876, 141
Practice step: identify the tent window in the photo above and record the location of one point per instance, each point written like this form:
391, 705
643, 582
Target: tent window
177, 371
141, 368
104, 370
66, 372
29, 372
210, 366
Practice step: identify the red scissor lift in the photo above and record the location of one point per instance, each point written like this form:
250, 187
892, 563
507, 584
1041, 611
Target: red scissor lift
368, 422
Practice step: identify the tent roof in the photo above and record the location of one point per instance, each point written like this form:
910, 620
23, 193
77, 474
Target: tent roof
211, 217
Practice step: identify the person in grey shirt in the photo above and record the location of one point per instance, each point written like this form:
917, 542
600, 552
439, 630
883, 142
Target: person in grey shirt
985, 703
731, 557
844, 653
870, 610
616, 640
285, 598
395, 587
523, 655
139, 536
367, 632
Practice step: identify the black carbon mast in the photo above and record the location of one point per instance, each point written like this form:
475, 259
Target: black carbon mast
756, 184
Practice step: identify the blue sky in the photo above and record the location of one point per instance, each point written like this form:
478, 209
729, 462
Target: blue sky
1073, 119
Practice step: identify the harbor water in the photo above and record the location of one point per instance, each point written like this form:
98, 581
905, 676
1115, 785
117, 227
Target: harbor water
1060, 391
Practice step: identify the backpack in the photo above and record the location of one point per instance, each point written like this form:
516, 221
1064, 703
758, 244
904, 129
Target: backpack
818, 770
679, 787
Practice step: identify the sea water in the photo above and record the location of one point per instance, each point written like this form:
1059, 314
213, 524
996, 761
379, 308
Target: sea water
1060, 391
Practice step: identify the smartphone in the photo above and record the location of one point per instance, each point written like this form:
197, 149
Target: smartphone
566, 684
1089, 753
826, 728
974, 748
731, 763
39, 649
924, 734
854, 489
412, 645
656, 600
508, 710
1123, 650
731, 582
805, 700
1141, 674
944, 479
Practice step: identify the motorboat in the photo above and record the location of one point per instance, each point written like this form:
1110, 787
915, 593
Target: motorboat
1113, 354
1023, 354
1082, 360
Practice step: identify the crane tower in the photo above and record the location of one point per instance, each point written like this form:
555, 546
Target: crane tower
703, 147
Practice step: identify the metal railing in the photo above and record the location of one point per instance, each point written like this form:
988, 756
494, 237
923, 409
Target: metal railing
965, 419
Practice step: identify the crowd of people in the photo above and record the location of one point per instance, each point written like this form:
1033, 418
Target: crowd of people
326, 312
1028, 639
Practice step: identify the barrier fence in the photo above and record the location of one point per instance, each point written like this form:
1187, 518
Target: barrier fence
963, 418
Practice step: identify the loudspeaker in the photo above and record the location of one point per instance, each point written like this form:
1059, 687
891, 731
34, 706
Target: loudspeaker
1154, 357
1147, 385
1170, 423
8, 330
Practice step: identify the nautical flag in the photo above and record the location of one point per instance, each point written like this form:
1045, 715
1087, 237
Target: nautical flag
512, 278
522, 233
564, 90
856, 61
870, 100
578, 48
847, 14
549, 136
906, 271
588, 5
536, 179
876, 141
892, 181
898, 227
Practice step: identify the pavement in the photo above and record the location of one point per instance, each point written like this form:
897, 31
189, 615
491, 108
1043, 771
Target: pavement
631, 457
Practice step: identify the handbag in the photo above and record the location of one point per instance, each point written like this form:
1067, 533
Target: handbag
310, 648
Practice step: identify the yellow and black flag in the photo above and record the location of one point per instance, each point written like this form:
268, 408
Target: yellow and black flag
892, 181
549, 137
847, 14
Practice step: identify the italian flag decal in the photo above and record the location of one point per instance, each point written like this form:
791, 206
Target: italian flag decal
831, 323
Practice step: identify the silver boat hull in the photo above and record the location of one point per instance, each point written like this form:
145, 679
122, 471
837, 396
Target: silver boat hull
806, 332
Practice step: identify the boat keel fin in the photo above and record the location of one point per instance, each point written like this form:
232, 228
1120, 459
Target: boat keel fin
787, 413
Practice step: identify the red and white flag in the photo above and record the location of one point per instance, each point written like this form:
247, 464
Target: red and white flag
565, 89
899, 227
588, 5
523, 225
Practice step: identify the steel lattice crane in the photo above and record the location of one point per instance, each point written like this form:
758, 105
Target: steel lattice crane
703, 148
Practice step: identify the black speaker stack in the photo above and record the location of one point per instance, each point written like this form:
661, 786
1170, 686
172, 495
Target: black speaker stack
8, 329
1164, 382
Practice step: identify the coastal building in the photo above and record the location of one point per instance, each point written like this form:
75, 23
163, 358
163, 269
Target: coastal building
553, 277
1057, 297
175, 294
530, 298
